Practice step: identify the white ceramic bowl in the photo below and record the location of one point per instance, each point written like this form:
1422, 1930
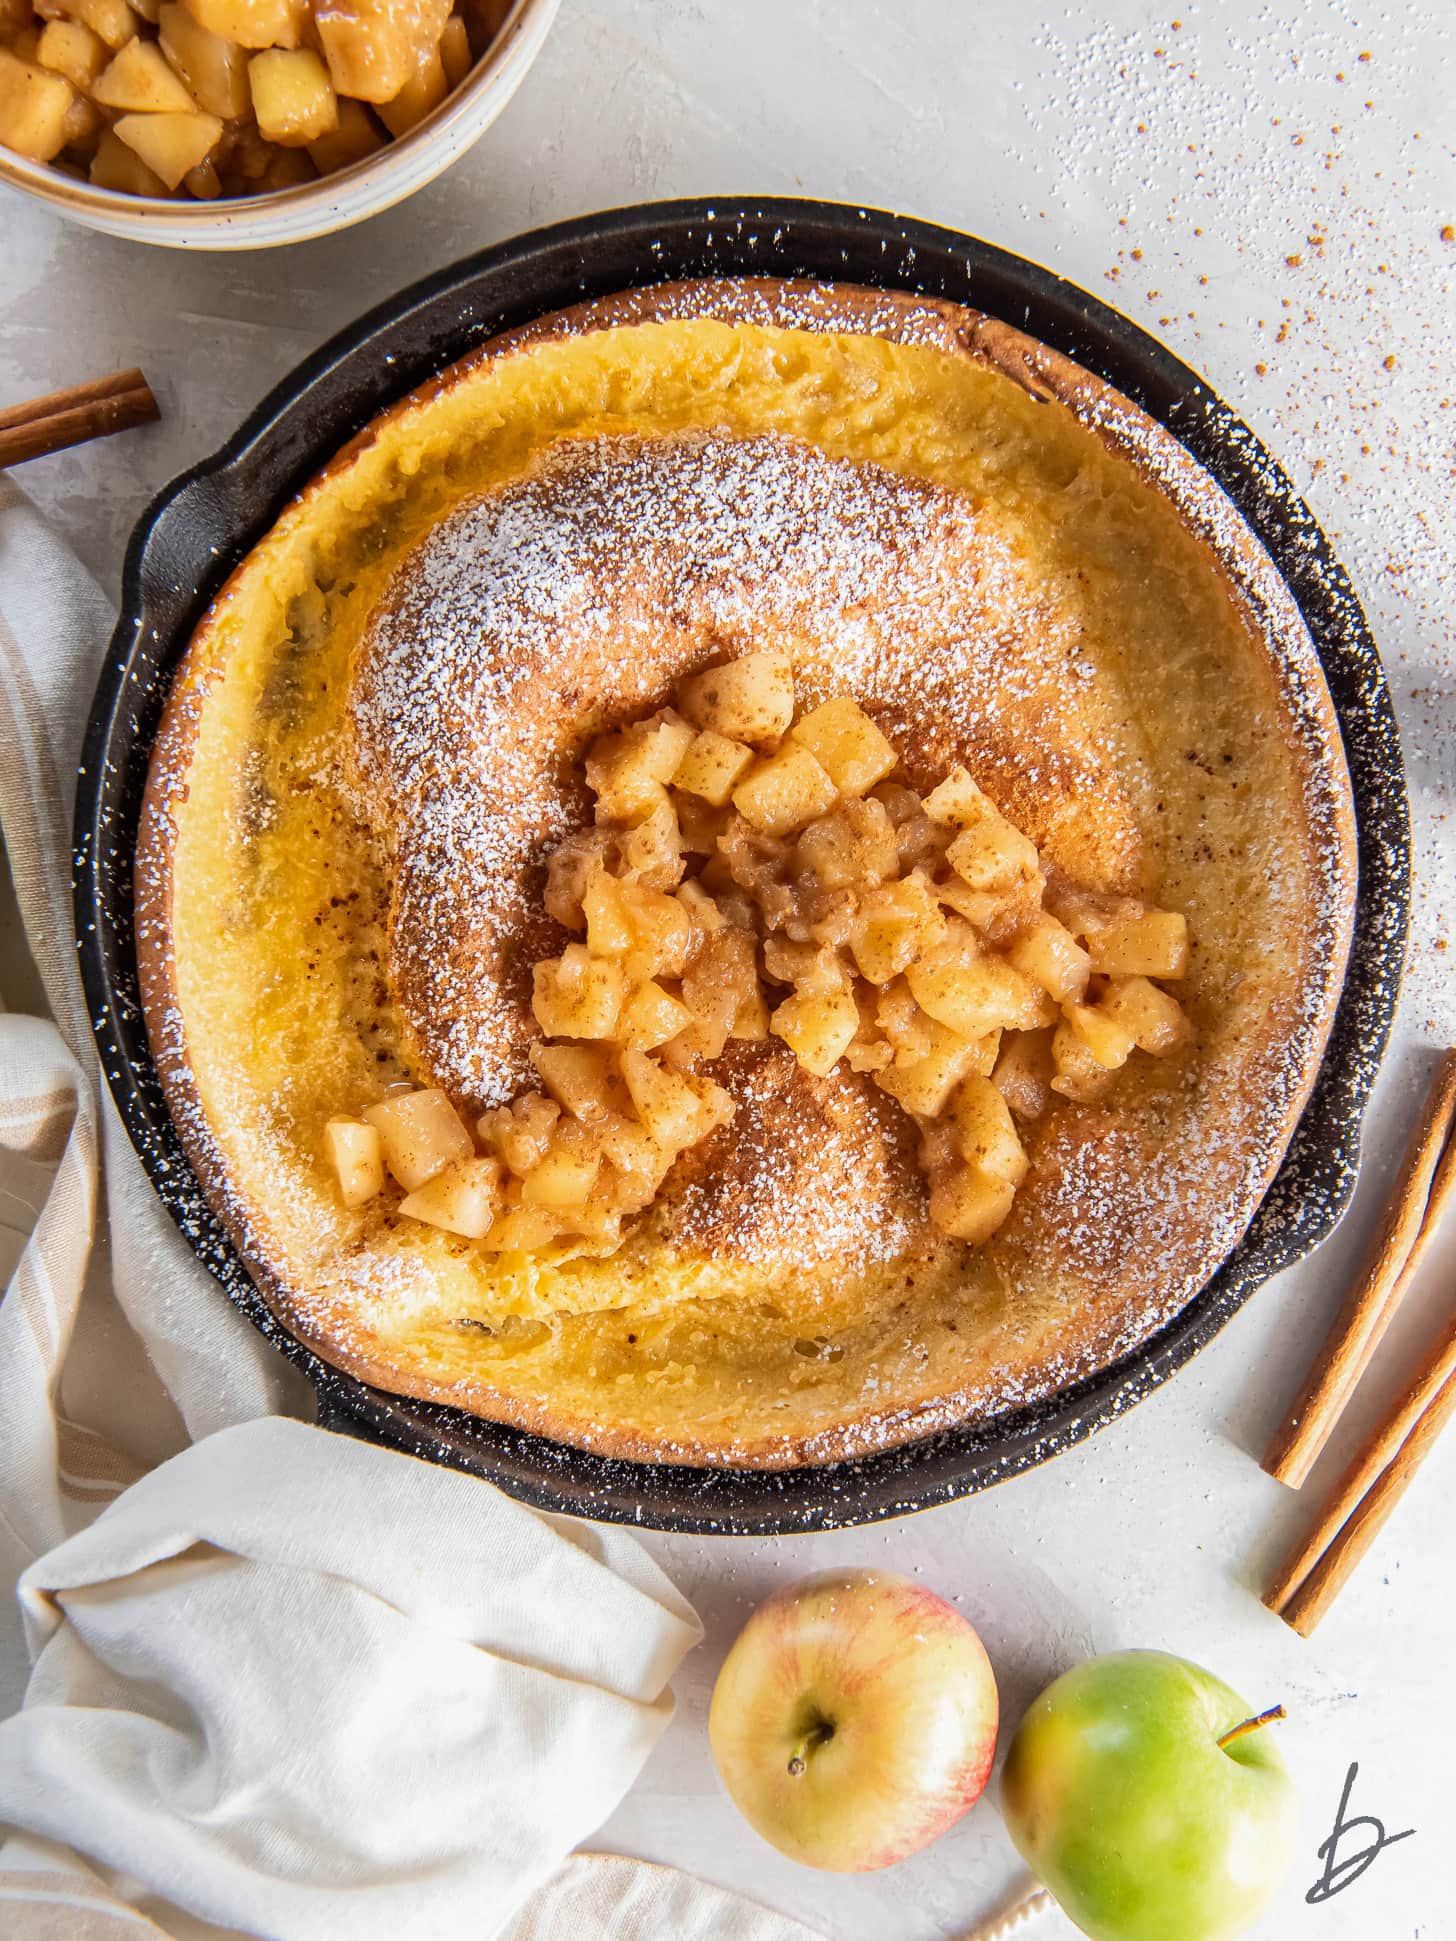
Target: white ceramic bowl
334, 201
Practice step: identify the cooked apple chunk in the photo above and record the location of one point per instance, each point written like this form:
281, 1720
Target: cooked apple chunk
1152, 944
1051, 956
626, 771
114, 166
985, 1132
846, 744
957, 800
609, 928
969, 1204
562, 1179
712, 766
357, 1157
974, 991
455, 50
749, 699
750, 1020
524, 1230
170, 144
214, 71
293, 98
355, 135
112, 21
895, 923
138, 80
816, 1029
1102, 1033
783, 792
82, 128
252, 23
34, 103
1157, 1021
582, 1079
650, 1016
1023, 1072
374, 46
923, 1078
421, 94
577, 995
70, 48
463, 1199
520, 1133
1077, 1074
992, 854
421, 1134
652, 851
672, 1110
851, 847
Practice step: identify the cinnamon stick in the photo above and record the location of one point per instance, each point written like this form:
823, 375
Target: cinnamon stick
95, 409
1367, 1312
1382, 1447
1314, 1596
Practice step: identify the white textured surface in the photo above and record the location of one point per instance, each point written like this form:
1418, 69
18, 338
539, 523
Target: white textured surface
1070, 137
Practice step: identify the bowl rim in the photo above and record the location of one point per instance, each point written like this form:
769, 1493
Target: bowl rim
310, 414
378, 181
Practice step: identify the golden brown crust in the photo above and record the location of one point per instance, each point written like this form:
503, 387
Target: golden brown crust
1084, 1156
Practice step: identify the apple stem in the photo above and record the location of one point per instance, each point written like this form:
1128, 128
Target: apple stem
1252, 1725
815, 1737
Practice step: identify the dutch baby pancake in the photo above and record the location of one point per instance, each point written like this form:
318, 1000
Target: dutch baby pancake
756, 871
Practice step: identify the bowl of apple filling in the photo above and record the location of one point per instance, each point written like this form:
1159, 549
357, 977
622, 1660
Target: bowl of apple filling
237, 124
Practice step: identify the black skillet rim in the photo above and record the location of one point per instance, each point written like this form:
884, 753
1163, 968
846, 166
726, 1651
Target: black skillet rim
201, 524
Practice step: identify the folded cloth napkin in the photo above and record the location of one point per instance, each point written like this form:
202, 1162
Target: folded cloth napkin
305, 1687
285, 1684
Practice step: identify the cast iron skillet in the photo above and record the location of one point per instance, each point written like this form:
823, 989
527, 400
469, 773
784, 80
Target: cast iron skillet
203, 524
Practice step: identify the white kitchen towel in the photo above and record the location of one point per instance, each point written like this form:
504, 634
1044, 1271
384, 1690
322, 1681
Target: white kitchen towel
257, 1684
309, 1688
95, 1391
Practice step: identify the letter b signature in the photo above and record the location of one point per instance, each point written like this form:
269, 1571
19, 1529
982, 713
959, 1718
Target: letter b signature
1342, 1871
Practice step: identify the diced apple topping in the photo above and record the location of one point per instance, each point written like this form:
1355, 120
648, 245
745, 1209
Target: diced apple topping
750, 699
215, 71
1153, 943
421, 94
784, 792
463, 1199
578, 995
421, 1133
358, 1159
847, 745
750, 875
817, 1028
711, 766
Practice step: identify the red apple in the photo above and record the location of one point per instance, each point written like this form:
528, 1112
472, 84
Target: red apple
854, 1720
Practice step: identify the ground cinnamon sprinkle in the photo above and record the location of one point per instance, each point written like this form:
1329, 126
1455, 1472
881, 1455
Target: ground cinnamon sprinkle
1375, 299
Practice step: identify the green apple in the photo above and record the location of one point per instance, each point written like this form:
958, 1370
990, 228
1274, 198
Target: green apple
1132, 1795
854, 1719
